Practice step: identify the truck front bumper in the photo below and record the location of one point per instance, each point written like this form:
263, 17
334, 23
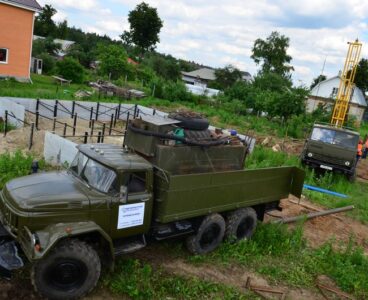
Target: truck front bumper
328, 166
9, 257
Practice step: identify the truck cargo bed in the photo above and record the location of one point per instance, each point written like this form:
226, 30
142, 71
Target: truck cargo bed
187, 196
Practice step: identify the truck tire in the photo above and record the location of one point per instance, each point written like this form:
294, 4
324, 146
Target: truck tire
352, 177
191, 122
240, 224
209, 235
69, 271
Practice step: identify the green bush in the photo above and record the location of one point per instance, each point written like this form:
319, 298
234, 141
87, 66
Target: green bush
176, 91
71, 69
48, 63
13, 166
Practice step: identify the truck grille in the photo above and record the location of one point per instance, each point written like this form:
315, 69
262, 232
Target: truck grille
329, 159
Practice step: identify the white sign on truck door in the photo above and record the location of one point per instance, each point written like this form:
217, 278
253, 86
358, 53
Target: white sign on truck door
131, 215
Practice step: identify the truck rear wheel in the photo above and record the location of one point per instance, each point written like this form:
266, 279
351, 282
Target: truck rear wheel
209, 235
240, 224
70, 271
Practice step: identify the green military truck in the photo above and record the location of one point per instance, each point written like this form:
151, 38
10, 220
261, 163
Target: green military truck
113, 200
332, 149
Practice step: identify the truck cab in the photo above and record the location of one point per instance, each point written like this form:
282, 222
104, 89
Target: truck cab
332, 149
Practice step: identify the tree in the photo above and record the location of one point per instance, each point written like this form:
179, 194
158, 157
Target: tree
46, 45
44, 24
361, 76
114, 61
166, 67
71, 69
145, 26
289, 103
317, 80
62, 30
226, 77
272, 54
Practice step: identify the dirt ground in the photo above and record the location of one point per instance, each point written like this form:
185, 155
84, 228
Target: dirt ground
20, 138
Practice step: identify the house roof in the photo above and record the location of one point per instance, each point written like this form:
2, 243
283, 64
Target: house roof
204, 73
324, 90
27, 4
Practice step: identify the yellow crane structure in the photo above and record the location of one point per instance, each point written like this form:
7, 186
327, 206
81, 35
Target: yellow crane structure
344, 94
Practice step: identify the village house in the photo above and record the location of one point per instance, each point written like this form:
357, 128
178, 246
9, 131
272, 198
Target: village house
16, 23
325, 93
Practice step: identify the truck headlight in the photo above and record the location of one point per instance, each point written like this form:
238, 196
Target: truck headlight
310, 154
347, 163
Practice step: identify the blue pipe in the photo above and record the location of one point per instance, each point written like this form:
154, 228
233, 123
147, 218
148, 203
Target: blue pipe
317, 189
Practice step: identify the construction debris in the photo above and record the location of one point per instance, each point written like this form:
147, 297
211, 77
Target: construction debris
314, 215
341, 295
260, 290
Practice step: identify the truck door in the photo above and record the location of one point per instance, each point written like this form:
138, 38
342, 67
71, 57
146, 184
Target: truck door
131, 212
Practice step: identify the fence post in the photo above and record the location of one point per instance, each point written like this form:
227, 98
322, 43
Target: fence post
54, 125
85, 138
111, 123
99, 137
97, 110
154, 112
135, 111
65, 127
37, 117
31, 136
6, 123
56, 108
91, 117
37, 104
75, 123
116, 116
119, 110
103, 129
127, 121
92, 127
73, 109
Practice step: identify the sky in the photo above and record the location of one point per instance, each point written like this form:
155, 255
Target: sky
217, 32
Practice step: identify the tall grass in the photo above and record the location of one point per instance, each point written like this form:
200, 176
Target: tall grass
139, 280
283, 255
15, 165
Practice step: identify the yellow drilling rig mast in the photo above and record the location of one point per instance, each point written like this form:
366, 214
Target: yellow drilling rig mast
346, 85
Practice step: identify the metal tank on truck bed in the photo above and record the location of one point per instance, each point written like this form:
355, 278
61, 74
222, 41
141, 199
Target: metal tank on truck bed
168, 181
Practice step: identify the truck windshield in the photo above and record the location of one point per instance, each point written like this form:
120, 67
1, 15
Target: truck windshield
335, 137
93, 173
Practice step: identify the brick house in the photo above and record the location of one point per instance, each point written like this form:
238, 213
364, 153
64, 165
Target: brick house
16, 23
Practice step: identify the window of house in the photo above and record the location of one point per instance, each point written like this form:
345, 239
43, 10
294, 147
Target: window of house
334, 92
3, 56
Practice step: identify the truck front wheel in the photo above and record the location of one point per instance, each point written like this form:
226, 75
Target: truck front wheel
70, 271
240, 224
209, 235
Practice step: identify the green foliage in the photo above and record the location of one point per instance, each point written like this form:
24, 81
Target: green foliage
48, 63
226, 77
176, 91
361, 76
71, 69
139, 281
263, 157
13, 166
44, 24
272, 54
145, 26
165, 67
46, 45
317, 80
114, 61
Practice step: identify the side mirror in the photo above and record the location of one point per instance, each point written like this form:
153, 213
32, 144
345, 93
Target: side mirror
123, 194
